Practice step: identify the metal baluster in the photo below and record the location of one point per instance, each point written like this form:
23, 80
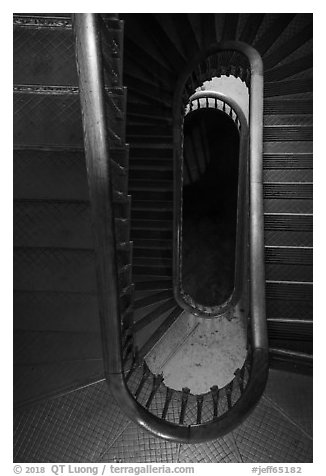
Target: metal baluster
228, 391
184, 403
157, 380
145, 376
200, 401
198, 104
168, 397
215, 396
191, 106
207, 103
215, 103
230, 113
239, 379
223, 106
135, 359
128, 351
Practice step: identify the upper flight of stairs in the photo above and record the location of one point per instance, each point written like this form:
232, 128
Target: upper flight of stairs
55, 302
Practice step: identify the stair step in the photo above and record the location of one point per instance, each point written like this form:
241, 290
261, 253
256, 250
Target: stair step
41, 347
151, 224
153, 244
160, 331
273, 205
55, 173
272, 32
288, 147
54, 269
288, 190
290, 329
136, 68
296, 347
291, 70
51, 116
142, 151
152, 261
122, 229
151, 112
287, 175
152, 253
152, 186
287, 88
152, 285
152, 214
59, 311
152, 299
152, 196
44, 55
152, 165
288, 106
137, 35
149, 130
287, 46
288, 133
288, 161
36, 384
284, 359
152, 234
153, 315
152, 175
139, 139
159, 270
288, 238
286, 120
290, 222
146, 205
52, 224
288, 272
289, 255
39, 118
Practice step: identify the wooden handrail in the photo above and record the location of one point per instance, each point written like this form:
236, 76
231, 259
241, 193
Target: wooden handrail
91, 90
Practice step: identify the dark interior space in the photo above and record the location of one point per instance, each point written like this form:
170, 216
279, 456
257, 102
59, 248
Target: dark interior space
210, 206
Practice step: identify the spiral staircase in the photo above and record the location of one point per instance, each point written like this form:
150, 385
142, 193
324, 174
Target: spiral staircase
57, 336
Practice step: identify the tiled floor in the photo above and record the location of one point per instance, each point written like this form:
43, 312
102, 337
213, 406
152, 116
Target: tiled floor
88, 426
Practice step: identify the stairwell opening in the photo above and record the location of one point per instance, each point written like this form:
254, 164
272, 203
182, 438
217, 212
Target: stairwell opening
213, 196
209, 213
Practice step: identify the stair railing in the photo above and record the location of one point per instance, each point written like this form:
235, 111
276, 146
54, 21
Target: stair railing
119, 370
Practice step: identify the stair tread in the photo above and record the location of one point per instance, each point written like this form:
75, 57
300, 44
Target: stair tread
152, 298
155, 314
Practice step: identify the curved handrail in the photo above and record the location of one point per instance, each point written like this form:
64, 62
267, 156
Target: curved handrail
183, 299
91, 84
